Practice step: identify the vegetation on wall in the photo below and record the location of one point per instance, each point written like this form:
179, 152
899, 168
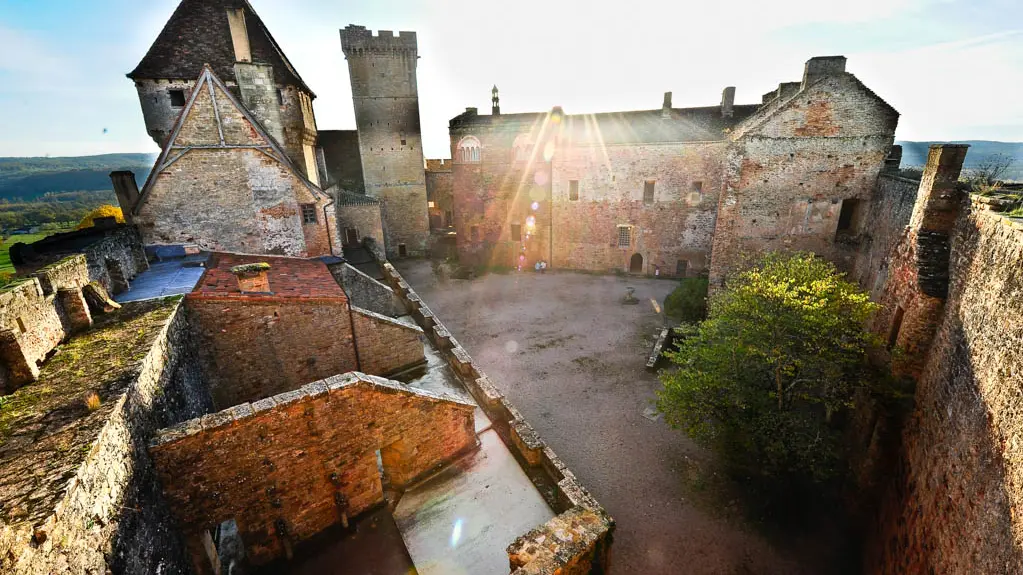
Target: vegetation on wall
688, 302
766, 378
104, 211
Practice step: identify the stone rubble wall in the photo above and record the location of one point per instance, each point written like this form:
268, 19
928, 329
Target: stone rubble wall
953, 506
287, 467
366, 292
386, 346
578, 540
113, 517
886, 221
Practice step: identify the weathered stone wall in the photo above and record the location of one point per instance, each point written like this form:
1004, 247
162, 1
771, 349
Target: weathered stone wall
677, 227
366, 292
259, 95
386, 346
95, 507
440, 184
299, 124
884, 224
289, 466
583, 531
157, 111
787, 175
382, 69
365, 219
952, 506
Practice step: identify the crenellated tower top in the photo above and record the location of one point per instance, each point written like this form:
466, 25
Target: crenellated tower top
357, 40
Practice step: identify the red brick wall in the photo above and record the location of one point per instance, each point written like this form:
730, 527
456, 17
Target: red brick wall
281, 462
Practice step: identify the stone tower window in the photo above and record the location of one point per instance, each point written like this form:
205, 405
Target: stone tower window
573, 190
648, 192
308, 213
848, 214
402, 136
469, 150
177, 98
624, 236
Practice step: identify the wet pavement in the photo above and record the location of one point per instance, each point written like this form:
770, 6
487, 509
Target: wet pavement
164, 278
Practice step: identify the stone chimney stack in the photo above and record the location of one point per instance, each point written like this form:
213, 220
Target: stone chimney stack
259, 93
727, 101
666, 106
938, 201
127, 192
252, 277
822, 66
239, 34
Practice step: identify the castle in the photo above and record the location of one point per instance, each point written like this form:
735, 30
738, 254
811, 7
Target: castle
285, 394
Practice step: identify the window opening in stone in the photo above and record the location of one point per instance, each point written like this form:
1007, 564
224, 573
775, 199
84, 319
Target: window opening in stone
402, 250
847, 215
516, 232
624, 236
177, 98
698, 187
893, 333
308, 213
648, 192
280, 97
573, 190
351, 236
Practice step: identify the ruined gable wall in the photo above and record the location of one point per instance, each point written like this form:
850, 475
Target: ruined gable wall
287, 467
952, 506
786, 179
884, 224
678, 225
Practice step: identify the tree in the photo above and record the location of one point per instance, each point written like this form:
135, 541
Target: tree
763, 378
104, 211
989, 171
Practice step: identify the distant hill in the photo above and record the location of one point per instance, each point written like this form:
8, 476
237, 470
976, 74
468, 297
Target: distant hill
32, 178
915, 154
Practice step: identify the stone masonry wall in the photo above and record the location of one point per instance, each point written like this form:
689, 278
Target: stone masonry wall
578, 540
366, 292
386, 346
367, 222
953, 505
674, 232
440, 184
287, 467
885, 223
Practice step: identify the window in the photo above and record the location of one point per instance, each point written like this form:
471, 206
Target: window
469, 150
402, 250
308, 213
648, 192
573, 190
624, 236
474, 233
280, 97
177, 98
698, 187
848, 214
431, 204
893, 333
448, 218
516, 232
402, 136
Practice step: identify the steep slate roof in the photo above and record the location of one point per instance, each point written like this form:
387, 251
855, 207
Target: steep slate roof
198, 33
345, 198
634, 127
204, 89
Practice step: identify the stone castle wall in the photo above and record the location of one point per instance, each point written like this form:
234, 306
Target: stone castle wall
952, 506
884, 225
306, 459
440, 184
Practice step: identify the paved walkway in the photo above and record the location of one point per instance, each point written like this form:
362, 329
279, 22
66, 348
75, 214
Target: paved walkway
162, 279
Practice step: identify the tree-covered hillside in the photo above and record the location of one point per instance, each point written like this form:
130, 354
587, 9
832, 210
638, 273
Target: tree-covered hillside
29, 179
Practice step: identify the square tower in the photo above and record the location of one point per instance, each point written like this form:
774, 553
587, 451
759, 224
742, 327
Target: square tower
382, 68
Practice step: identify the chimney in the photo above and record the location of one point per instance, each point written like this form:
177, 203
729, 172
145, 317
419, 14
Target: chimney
822, 66
786, 89
252, 277
666, 106
127, 192
894, 160
471, 111
727, 101
239, 34
934, 215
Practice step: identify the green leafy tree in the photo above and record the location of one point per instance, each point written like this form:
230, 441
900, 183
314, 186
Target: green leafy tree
688, 302
781, 355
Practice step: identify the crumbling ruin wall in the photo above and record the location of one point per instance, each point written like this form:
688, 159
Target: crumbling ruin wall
386, 346
952, 509
885, 223
289, 466
673, 233
366, 292
578, 540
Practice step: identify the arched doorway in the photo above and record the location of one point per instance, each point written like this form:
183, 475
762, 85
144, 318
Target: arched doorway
636, 264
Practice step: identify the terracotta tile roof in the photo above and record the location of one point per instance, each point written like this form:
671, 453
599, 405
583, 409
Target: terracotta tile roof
198, 33
288, 277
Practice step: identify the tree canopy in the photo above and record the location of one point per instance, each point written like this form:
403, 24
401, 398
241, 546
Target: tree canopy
783, 351
103, 211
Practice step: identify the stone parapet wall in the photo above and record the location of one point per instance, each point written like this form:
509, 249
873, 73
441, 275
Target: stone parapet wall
886, 221
954, 500
289, 466
582, 549
366, 292
386, 346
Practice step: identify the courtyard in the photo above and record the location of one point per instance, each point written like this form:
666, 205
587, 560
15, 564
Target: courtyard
564, 349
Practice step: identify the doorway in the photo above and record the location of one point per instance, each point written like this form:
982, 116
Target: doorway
351, 236
636, 264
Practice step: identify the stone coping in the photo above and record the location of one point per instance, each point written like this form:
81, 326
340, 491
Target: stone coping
386, 319
334, 383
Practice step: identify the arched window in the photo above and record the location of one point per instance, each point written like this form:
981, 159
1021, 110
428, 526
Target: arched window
523, 147
469, 150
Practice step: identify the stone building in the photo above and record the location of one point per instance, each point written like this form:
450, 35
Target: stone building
674, 191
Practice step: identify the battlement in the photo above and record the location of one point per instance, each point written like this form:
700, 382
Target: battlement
356, 39
438, 165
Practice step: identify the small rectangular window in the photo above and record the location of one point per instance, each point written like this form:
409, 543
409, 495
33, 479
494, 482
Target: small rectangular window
403, 141
573, 190
698, 187
402, 250
848, 213
516, 232
624, 236
648, 192
474, 233
280, 97
308, 213
177, 98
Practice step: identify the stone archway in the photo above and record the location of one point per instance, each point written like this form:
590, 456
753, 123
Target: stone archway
636, 264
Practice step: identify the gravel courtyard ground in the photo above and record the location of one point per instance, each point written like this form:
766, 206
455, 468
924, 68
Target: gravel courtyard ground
571, 357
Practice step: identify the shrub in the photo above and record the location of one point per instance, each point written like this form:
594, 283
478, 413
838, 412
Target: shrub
103, 211
688, 302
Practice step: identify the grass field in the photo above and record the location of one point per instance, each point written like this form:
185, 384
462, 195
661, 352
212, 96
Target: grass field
5, 249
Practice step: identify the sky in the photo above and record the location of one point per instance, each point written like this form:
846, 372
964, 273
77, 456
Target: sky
952, 68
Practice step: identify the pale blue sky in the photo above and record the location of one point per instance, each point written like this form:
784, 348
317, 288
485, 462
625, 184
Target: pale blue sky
953, 68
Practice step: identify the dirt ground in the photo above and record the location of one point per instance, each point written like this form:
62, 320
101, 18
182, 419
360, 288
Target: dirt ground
571, 357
